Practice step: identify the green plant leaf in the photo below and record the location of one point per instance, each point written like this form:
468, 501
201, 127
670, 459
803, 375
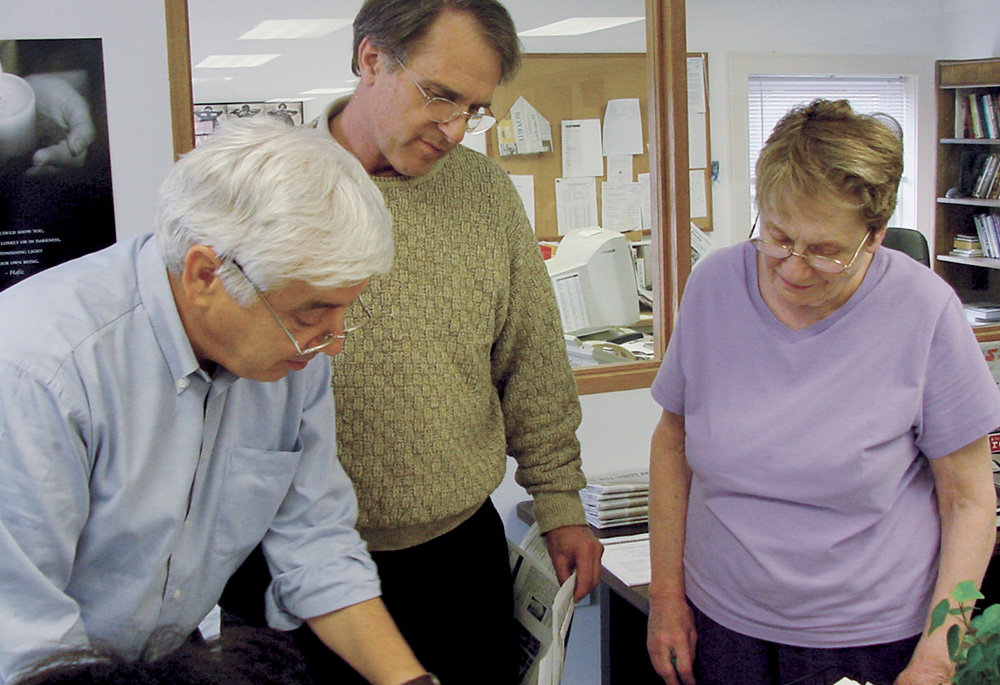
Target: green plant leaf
988, 623
938, 616
976, 662
966, 591
954, 643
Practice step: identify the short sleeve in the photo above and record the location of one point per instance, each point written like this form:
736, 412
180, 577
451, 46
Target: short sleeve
961, 402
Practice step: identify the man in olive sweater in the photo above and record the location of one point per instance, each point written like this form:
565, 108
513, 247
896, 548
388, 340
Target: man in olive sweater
467, 363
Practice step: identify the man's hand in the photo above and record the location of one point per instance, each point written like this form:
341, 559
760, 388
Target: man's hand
65, 127
576, 548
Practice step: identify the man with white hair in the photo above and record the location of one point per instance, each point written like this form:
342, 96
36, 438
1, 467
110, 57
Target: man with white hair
151, 433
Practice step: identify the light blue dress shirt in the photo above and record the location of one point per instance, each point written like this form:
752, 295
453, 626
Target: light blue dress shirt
132, 483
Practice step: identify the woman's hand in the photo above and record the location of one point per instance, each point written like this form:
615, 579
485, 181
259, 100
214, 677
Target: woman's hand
926, 670
671, 639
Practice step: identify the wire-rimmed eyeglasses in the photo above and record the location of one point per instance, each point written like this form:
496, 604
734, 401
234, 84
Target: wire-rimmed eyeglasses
324, 341
827, 265
442, 110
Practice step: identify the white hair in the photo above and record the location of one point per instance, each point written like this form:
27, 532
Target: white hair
286, 203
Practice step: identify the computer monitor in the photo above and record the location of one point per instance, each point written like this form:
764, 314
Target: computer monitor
594, 281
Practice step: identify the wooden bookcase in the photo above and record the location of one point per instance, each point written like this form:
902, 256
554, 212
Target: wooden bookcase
973, 278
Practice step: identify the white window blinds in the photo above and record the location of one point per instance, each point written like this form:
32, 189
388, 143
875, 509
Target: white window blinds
772, 96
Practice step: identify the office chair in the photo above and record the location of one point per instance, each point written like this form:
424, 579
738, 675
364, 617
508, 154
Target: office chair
910, 241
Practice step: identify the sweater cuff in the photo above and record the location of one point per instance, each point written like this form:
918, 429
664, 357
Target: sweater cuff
558, 509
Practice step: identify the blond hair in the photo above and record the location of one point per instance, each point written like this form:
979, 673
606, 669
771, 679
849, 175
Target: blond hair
826, 151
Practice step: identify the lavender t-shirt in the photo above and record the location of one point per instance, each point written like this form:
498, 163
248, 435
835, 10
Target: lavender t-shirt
812, 519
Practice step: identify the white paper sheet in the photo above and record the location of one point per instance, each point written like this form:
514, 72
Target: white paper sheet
524, 184
621, 205
623, 127
699, 195
619, 169
697, 142
696, 84
576, 203
581, 148
627, 557
645, 206
475, 142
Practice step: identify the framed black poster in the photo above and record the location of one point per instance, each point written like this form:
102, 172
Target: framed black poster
56, 200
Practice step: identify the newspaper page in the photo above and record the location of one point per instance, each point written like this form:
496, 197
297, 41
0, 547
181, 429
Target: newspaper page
543, 611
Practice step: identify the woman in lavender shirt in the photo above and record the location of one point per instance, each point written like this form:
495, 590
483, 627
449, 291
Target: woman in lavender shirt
820, 475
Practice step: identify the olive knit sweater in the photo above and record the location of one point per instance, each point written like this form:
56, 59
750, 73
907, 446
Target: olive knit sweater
464, 364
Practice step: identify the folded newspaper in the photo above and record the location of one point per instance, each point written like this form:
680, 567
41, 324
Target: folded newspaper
543, 611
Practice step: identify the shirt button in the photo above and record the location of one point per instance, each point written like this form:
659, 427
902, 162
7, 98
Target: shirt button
177, 594
182, 383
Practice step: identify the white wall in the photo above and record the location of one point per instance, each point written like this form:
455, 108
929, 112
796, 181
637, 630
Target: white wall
135, 62
971, 29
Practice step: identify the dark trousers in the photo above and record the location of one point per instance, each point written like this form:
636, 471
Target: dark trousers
451, 598
725, 657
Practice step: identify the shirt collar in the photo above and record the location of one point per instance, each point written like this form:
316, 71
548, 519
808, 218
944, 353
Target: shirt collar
158, 301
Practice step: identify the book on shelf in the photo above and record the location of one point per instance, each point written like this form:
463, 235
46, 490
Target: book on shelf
988, 229
969, 254
965, 241
966, 246
989, 116
986, 182
961, 117
975, 116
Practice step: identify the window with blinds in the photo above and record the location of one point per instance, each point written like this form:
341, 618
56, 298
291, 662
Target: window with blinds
771, 96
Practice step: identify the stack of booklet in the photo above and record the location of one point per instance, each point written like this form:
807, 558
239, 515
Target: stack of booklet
980, 313
617, 500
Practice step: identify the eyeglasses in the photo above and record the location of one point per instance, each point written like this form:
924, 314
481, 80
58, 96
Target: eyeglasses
827, 265
326, 340
443, 110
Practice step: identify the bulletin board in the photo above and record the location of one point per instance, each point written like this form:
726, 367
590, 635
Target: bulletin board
572, 86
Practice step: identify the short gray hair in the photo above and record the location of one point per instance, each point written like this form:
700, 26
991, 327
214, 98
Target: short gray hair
286, 203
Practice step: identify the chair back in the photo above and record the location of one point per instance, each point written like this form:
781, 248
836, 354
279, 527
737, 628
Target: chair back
910, 241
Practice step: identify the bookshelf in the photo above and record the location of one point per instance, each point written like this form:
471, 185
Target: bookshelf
960, 147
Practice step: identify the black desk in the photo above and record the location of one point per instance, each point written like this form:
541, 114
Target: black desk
624, 609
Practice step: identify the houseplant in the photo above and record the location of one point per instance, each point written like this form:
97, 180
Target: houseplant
973, 642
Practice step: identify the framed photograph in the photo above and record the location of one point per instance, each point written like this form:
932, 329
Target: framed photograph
55, 162
289, 112
209, 116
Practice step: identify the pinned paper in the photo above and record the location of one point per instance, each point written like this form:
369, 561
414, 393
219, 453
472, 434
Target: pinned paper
524, 131
581, 148
623, 127
524, 184
619, 169
620, 206
576, 203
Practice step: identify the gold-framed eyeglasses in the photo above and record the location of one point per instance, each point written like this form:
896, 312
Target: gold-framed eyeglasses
827, 265
442, 110
324, 341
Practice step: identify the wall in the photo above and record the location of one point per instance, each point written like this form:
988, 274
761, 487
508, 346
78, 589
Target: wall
971, 29
135, 63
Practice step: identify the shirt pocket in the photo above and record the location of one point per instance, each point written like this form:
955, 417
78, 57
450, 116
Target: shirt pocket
255, 484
